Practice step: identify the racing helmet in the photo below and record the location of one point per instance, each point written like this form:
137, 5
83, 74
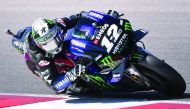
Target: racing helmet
47, 35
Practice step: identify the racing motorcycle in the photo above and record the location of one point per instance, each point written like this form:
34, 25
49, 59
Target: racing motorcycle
115, 62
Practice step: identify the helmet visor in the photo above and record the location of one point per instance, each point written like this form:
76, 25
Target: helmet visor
47, 37
49, 41
51, 46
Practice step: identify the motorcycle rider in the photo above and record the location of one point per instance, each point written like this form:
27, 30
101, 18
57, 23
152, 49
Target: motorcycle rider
46, 42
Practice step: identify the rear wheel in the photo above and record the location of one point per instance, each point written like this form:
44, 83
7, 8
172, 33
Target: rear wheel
162, 77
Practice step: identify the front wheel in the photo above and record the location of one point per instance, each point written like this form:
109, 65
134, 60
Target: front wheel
161, 76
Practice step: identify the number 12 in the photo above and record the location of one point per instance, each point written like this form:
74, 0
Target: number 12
112, 36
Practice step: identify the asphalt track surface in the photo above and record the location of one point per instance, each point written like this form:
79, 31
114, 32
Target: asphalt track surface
167, 21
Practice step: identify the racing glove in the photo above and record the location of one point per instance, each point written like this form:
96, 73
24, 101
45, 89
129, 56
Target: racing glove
78, 70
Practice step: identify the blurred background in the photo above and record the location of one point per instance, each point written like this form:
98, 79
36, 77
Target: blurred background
167, 21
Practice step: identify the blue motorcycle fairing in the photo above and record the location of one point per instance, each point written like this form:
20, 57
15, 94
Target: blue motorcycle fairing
139, 34
68, 35
90, 27
20, 38
85, 33
85, 48
118, 72
62, 82
102, 17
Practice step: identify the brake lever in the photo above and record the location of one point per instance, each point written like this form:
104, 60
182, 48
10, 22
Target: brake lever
9, 32
121, 15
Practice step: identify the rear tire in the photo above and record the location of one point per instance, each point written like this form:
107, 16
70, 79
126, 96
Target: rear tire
163, 78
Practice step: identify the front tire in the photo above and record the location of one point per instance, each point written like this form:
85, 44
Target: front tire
162, 77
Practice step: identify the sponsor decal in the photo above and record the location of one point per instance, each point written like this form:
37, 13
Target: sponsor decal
61, 21
121, 22
138, 56
114, 80
116, 77
96, 15
107, 60
78, 43
95, 41
105, 72
99, 81
100, 33
122, 41
79, 50
62, 83
43, 63
98, 57
111, 37
127, 26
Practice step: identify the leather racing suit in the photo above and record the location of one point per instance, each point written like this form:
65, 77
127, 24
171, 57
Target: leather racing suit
46, 65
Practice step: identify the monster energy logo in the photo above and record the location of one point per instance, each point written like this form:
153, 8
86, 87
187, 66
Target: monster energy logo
107, 60
100, 82
138, 56
127, 26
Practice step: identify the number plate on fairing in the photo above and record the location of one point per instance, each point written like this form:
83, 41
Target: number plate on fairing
113, 38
